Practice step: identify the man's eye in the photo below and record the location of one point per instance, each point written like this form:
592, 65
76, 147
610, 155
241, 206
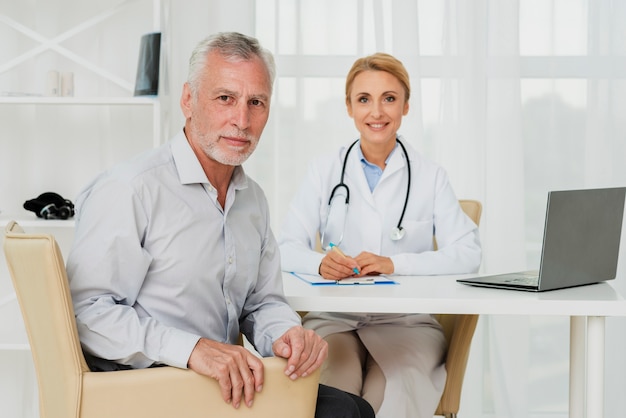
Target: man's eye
256, 102
224, 98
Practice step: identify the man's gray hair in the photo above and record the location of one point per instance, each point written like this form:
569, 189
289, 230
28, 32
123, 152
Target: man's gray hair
231, 45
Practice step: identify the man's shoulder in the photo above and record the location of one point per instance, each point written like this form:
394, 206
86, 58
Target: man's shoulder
138, 168
131, 173
147, 161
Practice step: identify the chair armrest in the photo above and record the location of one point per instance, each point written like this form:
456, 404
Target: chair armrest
171, 392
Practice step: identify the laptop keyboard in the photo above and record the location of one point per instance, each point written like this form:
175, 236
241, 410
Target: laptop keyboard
527, 279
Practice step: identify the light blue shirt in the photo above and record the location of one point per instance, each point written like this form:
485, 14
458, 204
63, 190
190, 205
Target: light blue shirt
157, 263
372, 172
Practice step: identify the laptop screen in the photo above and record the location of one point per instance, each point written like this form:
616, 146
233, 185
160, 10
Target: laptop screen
581, 237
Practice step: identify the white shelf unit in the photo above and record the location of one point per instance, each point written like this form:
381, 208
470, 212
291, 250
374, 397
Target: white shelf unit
58, 144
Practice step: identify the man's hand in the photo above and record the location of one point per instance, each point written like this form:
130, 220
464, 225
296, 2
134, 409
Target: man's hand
238, 371
304, 350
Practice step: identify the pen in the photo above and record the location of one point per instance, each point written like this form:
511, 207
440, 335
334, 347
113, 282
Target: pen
335, 248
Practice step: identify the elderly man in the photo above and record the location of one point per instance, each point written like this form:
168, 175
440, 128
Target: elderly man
174, 255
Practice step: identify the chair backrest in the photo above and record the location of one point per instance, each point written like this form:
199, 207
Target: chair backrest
40, 281
459, 331
473, 209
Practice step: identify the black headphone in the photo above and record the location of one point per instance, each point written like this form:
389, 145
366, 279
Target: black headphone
50, 205
398, 232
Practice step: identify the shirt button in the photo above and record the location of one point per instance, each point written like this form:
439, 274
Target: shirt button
230, 260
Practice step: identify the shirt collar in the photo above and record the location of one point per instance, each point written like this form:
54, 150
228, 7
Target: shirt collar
363, 159
189, 168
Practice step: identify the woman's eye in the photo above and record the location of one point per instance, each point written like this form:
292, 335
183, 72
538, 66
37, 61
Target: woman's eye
390, 99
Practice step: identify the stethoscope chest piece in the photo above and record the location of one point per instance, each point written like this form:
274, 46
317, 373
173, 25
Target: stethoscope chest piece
397, 234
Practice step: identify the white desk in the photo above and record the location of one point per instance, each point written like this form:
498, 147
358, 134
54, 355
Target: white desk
586, 306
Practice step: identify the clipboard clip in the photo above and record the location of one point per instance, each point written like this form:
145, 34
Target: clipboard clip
359, 280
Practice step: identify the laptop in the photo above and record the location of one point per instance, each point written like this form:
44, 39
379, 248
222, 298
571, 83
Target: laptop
581, 241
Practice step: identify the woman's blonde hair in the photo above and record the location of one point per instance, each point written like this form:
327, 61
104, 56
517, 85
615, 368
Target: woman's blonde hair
379, 62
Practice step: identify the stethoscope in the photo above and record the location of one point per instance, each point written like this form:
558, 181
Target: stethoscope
398, 232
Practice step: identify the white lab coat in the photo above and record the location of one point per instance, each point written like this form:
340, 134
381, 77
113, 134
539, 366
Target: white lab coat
408, 348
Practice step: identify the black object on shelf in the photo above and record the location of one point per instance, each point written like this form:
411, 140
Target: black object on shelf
147, 80
50, 205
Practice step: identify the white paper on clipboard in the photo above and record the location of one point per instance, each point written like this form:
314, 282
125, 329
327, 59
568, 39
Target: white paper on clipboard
317, 280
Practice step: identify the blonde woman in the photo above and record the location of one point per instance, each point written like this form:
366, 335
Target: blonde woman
397, 200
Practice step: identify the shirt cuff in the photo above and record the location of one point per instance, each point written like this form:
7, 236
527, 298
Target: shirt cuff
177, 350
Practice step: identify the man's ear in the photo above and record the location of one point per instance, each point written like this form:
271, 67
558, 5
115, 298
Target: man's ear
186, 100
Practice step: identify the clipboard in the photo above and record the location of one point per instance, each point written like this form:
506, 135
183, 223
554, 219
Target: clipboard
317, 280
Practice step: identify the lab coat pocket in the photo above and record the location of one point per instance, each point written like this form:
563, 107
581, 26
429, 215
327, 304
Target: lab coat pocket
418, 236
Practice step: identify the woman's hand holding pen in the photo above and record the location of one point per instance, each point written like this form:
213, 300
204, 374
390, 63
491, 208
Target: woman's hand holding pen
336, 265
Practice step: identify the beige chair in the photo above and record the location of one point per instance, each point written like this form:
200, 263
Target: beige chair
67, 389
459, 330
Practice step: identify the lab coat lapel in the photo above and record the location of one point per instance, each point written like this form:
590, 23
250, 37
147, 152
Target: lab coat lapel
395, 163
356, 178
